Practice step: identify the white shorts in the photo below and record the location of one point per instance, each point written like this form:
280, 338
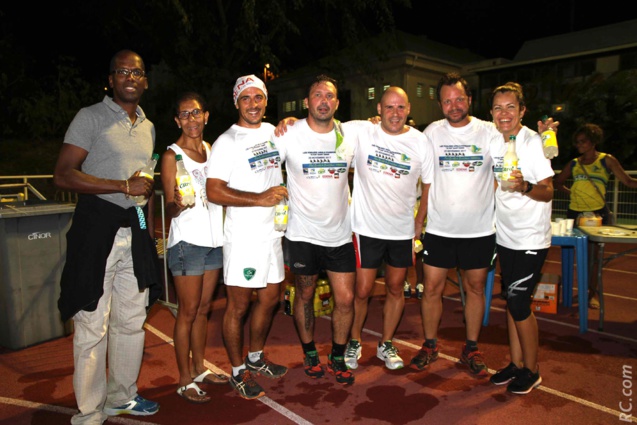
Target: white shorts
253, 264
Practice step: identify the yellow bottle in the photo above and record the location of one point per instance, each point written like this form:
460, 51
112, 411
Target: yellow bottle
549, 141
509, 164
184, 183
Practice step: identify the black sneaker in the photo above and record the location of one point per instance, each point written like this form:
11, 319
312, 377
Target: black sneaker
266, 368
312, 364
424, 358
246, 386
475, 361
336, 366
524, 381
504, 376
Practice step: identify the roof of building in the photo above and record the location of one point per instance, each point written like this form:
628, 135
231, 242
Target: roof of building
606, 37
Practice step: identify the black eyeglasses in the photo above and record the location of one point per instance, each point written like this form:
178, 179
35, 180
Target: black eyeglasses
136, 73
195, 113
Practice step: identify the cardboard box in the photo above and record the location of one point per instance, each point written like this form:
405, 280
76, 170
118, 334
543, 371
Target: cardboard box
547, 294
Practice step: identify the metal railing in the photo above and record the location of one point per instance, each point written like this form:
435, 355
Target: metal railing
621, 199
20, 188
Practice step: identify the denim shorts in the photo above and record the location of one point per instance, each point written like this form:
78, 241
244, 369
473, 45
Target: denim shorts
185, 259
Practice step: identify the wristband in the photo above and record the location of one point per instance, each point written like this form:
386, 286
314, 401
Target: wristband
127, 189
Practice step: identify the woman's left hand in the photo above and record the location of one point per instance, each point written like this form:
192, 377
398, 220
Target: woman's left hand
548, 124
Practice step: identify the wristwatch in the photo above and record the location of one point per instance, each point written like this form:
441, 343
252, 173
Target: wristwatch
529, 187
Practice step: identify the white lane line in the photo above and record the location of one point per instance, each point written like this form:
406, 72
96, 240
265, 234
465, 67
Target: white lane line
557, 393
265, 400
67, 411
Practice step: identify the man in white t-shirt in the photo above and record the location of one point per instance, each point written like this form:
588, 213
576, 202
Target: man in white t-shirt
460, 230
317, 155
389, 160
244, 174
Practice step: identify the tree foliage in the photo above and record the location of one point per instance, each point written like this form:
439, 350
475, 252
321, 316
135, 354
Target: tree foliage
200, 45
610, 102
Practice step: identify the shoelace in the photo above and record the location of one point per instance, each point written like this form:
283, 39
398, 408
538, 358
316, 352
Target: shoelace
247, 379
351, 350
340, 367
313, 360
390, 351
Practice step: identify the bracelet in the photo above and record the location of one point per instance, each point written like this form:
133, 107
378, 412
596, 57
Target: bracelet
127, 189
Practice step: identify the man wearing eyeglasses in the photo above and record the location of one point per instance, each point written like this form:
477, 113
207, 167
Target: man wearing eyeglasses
110, 277
244, 174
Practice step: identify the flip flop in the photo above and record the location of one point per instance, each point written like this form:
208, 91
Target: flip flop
215, 378
200, 398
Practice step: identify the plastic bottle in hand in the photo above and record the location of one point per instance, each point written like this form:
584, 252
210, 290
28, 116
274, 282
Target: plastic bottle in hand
281, 214
184, 183
509, 164
549, 141
149, 172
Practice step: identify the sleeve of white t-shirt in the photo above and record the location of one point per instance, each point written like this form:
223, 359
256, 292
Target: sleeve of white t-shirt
427, 172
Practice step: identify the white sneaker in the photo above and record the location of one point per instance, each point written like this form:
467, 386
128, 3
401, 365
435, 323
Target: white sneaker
353, 352
389, 354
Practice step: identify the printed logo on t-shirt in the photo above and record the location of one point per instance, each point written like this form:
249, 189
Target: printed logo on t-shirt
264, 157
388, 162
323, 165
460, 158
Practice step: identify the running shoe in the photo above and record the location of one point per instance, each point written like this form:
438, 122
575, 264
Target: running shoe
525, 381
138, 406
389, 354
336, 366
353, 352
246, 386
424, 358
504, 376
475, 361
313, 367
266, 368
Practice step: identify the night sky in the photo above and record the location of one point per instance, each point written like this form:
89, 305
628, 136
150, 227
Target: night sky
486, 27
498, 29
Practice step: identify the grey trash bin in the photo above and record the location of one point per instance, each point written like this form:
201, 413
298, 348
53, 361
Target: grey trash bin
32, 255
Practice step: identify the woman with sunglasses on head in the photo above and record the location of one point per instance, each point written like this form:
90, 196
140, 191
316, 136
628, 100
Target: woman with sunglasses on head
194, 250
523, 233
590, 172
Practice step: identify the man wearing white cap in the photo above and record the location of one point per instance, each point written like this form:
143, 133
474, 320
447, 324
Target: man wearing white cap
244, 174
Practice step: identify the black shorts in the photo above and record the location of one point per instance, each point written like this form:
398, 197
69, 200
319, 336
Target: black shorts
371, 252
520, 272
465, 253
307, 259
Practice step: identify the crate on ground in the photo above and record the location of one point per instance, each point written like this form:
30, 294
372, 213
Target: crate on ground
547, 294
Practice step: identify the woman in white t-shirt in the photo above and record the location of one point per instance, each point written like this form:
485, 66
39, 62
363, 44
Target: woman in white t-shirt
194, 249
523, 234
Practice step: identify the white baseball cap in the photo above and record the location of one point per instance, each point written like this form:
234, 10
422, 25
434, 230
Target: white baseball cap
245, 82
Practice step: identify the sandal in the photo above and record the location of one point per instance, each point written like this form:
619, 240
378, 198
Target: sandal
200, 398
209, 377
